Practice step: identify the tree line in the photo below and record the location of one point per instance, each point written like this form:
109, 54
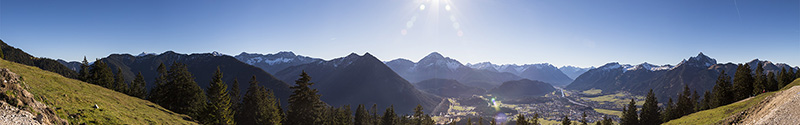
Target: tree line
176, 90
745, 83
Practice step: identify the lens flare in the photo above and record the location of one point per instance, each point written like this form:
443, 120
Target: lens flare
422, 7
447, 7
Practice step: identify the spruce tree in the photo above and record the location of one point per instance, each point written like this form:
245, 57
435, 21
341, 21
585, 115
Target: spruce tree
723, 93
786, 77
629, 116
668, 112
706, 102
157, 93
101, 75
772, 82
521, 119
742, 82
760, 84
304, 104
650, 114
418, 114
138, 86
376, 120
583, 119
84, 75
389, 117
469, 121
685, 104
236, 99
183, 95
119, 84
259, 106
535, 119
218, 110
565, 120
362, 116
2, 56
607, 120
494, 122
428, 120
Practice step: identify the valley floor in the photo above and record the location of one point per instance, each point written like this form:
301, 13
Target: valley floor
551, 107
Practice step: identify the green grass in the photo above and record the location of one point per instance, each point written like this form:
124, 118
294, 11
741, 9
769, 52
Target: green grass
73, 100
609, 112
592, 91
618, 98
713, 116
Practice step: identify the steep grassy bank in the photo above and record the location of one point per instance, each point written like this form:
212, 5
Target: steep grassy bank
74, 100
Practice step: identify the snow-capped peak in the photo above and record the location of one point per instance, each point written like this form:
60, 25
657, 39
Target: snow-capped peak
215, 53
649, 67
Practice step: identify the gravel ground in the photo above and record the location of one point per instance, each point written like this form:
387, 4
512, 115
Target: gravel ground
782, 109
10, 115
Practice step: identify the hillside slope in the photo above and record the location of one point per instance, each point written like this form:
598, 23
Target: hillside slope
736, 112
74, 100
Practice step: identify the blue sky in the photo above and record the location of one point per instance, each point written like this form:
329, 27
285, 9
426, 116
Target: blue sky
572, 32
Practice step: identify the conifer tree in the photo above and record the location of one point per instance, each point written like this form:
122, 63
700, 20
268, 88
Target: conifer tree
685, 104
565, 120
418, 114
772, 82
797, 74
535, 119
607, 120
119, 84
183, 95
650, 114
786, 77
156, 95
218, 110
494, 122
723, 93
521, 119
362, 116
428, 120
101, 75
469, 121
259, 106
376, 120
742, 82
389, 117
236, 99
760, 84
480, 120
2, 56
138, 86
304, 104
629, 116
344, 116
583, 119
84, 75
706, 102
669, 111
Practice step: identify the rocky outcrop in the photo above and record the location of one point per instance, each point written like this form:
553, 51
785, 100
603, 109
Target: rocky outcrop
15, 95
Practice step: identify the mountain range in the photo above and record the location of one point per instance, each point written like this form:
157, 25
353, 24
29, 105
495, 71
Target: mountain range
699, 73
273, 63
202, 66
541, 72
361, 79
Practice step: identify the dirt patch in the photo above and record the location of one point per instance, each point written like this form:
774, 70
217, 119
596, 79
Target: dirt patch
13, 93
781, 108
